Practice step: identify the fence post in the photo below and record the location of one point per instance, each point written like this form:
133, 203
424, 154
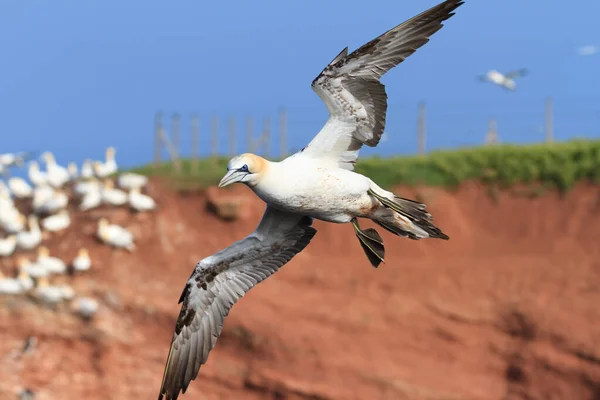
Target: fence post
175, 130
549, 125
249, 135
421, 132
157, 139
283, 133
195, 127
491, 136
232, 146
214, 129
266, 137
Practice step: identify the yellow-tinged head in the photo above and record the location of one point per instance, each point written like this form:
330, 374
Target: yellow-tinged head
109, 184
83, 252
22, 261
43, 251
102, 223
42, 281
48, 157
246, 168
110, 153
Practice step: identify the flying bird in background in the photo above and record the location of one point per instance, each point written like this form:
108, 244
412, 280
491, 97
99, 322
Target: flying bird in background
317, 182
507, 80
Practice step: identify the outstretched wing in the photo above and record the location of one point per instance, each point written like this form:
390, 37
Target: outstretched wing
355, 98
218, 282
517, 73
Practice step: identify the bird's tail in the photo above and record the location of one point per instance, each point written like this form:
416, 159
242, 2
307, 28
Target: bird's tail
404, 217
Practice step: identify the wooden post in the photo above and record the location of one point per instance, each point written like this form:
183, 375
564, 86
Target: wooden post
421, 132
266, 137
175, 130
214, 133
195, 141
283, 133
232, 147
549, 125
157, 139
249, 135
491, 136
171, 149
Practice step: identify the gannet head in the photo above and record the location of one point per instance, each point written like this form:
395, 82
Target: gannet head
102, 223
48, 157
22, 261
83, 252
246, 168
110, 153
43, 251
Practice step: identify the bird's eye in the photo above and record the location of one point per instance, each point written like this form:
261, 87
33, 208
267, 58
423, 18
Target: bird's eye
244, 168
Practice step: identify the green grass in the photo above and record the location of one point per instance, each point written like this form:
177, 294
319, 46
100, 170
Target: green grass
555, 165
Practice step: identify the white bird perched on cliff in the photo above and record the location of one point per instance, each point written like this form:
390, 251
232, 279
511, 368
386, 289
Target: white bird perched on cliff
91, 199
28, 240
73, 171
36, 176
129, 181
33, 269
57, 175
507, 81
107, 168
20, 188
84, 187
8, 245
318, 182
139, 201
18, 285
57, 201
53, 265
57, 222
48, 294
82, 261
114, 235
87, 170
112, 196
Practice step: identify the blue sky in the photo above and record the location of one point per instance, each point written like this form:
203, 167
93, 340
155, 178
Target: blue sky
79, 76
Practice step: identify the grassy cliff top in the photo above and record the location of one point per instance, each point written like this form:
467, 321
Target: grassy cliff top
554, 165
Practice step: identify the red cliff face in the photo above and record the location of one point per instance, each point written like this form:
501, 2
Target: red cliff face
508, 308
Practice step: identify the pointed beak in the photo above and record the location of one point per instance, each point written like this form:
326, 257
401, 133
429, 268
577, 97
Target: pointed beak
231, 177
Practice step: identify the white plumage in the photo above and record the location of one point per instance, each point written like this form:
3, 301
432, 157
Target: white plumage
129, 181
20, 188
112, 196
115, 235
28, 240
57, 222
140, 202
82, 261
53, 265
37, 177
8, 245
317, 182
57, 175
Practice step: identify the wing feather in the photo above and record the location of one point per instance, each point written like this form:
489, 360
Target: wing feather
218, 282
356, 99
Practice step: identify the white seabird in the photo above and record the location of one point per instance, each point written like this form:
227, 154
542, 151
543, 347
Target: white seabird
115, 235
20, 188
82, 261
8, 245
36, 176
57, 174
318, 182
139, 201
507, 80
28, 240
129, 181
57, 222
87, 171
53, 265
112, 196
107, 168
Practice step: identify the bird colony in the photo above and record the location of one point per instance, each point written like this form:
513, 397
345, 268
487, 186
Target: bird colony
33, 210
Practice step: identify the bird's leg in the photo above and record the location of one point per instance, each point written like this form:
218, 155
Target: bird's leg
371, 243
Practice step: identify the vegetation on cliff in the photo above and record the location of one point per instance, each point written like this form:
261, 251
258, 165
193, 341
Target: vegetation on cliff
552, 165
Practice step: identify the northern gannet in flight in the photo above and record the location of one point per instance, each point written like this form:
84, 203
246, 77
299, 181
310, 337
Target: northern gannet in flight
317, 182
507, 80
